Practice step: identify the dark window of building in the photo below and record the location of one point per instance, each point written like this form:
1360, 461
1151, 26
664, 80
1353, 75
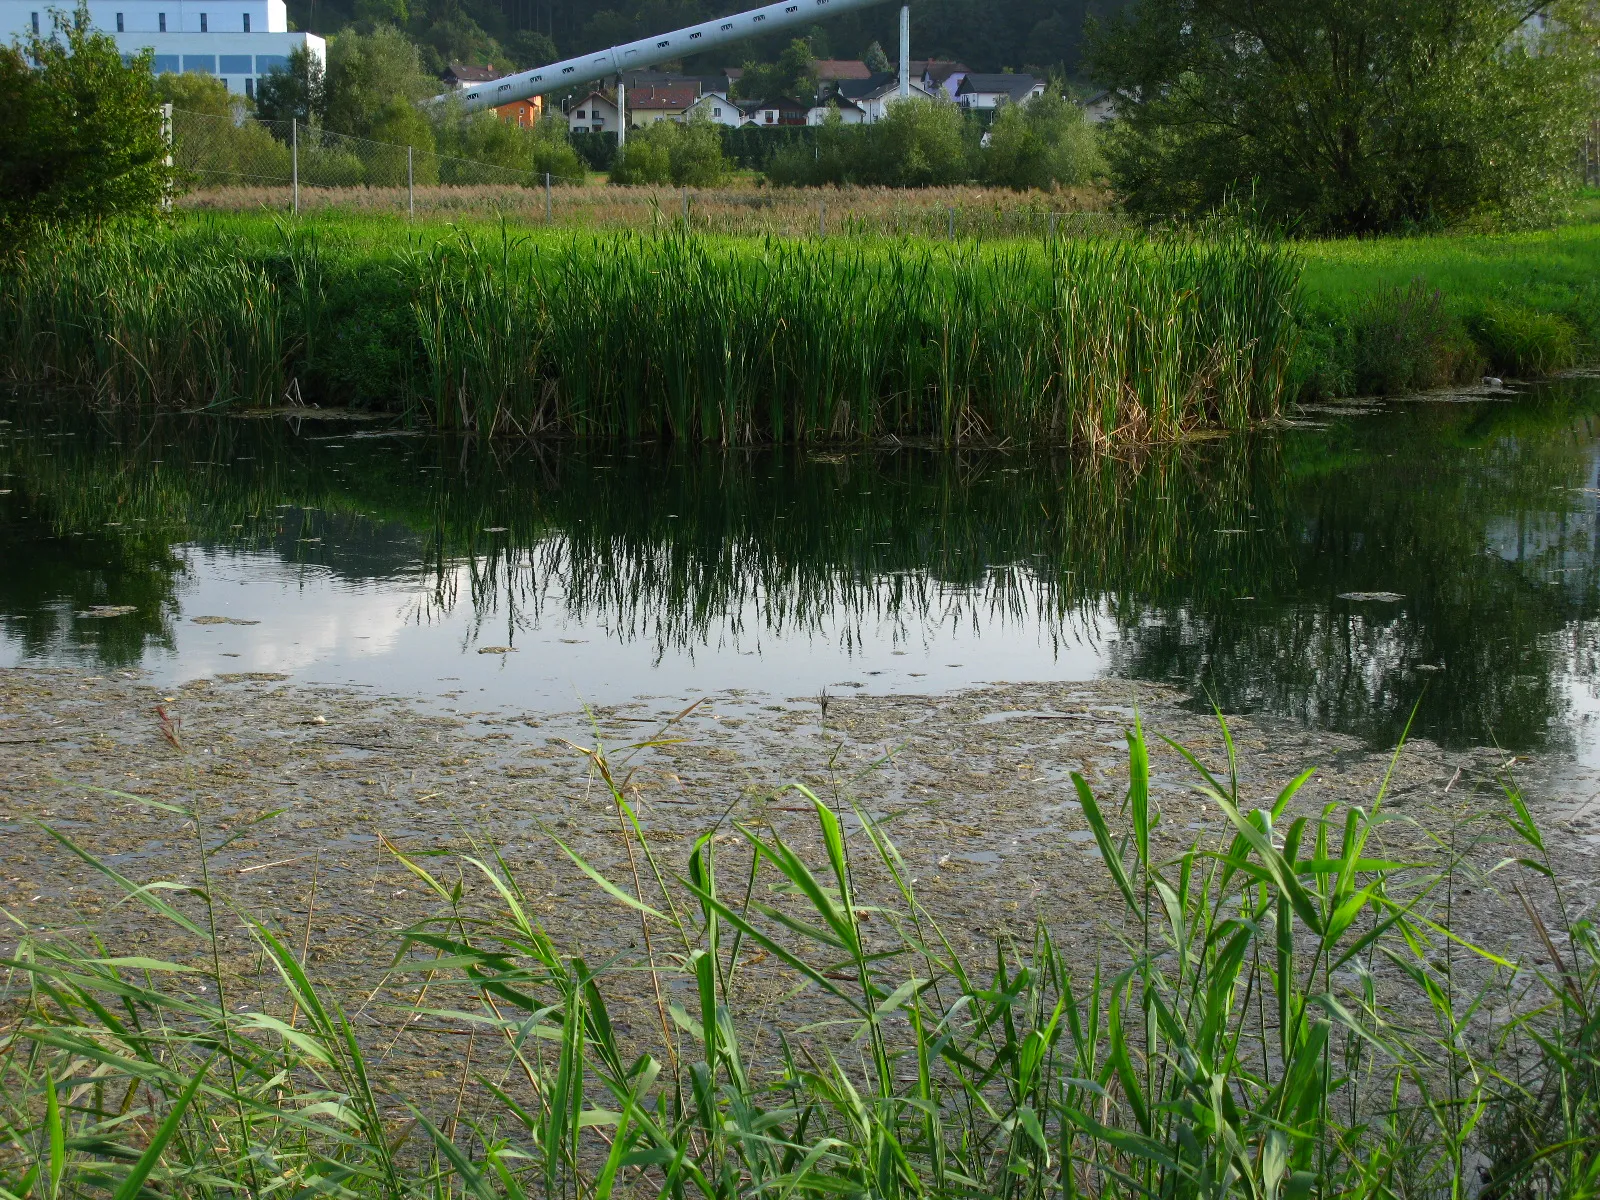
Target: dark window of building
161, 22
247, 22
250, 88
35, 17
203, 23
119, 23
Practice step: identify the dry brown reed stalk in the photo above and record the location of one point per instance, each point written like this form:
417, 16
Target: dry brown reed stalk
749, 209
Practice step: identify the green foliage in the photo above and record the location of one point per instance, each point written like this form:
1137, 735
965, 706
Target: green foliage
295, 92
1520, 342
1283, 1011
684, 154
876, 60
1406, 340
1096, 342
366, 72
394, 13
553, 153
920, 143
1041, 144
399, 124
202, 94
1352, 116
80, 131
529, 48
793, 76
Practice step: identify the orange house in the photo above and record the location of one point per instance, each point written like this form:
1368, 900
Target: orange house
525, 113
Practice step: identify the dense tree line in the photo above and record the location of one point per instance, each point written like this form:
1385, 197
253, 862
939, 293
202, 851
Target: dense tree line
988, 35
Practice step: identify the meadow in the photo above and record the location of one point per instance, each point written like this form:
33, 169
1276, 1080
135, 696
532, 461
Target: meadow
1284, 1009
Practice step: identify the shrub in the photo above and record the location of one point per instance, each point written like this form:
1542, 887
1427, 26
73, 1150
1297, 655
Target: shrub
684, 154
1044, 142
80, 130
397, 125
1518, 341
1405, 340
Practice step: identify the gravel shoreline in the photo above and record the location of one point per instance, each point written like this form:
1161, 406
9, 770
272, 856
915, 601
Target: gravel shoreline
974, 787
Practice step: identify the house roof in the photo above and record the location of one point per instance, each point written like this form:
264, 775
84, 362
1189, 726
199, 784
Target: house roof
834, 69
837, 101
784, 103
892, 84
668, 97
609, 101
1015, 86
462, 73
938, 69
714, 82
855, 89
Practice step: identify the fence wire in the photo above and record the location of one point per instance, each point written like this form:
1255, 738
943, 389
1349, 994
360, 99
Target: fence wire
226, 151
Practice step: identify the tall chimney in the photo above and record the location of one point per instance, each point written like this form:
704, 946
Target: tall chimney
905, 50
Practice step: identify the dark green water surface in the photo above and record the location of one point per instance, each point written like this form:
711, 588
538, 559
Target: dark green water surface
362, 554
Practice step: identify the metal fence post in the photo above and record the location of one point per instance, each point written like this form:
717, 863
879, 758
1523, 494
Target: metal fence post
294, 162
952, 223
1052, 227
411, 183
547, 197
166, 136
822, 218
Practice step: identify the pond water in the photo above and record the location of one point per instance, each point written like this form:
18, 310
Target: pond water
1441, 554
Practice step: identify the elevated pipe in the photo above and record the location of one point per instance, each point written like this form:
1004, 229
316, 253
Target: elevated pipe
635, 56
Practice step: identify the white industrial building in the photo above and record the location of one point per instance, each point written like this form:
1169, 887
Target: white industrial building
238, 41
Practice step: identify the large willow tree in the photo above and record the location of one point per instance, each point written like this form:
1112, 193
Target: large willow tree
1348, 116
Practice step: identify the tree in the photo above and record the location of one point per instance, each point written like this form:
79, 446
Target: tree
1350, 116
382, 12
397, 125
919, 143
212, 142
293, 92
366, 72
80, 130
686, 154
794, 75
1040, 144
553, 153
877, 61
529, 49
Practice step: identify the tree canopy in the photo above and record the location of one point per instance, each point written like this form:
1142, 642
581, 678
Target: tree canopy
1346, 115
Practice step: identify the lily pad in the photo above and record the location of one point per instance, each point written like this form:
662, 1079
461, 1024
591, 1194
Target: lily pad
222, 621
96, 611
1380, 597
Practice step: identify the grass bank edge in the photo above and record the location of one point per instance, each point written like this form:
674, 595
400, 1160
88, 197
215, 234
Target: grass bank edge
1285, 1013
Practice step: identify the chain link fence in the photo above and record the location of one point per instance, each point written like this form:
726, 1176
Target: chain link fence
238, 163
212, 153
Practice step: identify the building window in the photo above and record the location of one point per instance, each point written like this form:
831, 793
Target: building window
247, 22
580, 114
203, 23
250, 88
716, 112
161, 22
119, 23
35, 17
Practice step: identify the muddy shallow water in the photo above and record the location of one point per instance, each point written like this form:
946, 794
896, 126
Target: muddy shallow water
972, 786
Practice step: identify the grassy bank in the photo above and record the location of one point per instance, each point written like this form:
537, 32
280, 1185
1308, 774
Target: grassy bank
1287, 1009
676, 336
1393, 315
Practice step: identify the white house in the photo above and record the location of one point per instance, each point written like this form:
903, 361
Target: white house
849, 111
593, 114
717, 108
984, 93
238, 41
875, 104
1100, 108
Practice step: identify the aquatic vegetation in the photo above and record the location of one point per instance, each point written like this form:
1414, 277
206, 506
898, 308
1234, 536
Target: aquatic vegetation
673, 335
1282, 1011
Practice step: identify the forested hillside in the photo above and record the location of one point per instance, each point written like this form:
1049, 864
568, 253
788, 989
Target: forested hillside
987, 35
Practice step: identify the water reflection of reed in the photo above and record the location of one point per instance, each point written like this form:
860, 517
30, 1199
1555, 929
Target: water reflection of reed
1216, 565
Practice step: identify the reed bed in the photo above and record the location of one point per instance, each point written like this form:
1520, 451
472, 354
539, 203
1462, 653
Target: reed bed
747, 211
674, 335
1284, 1012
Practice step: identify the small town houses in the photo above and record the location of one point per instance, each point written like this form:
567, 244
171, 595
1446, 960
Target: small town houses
845, 87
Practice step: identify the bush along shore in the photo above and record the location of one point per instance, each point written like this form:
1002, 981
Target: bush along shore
1280, 1011
670, 335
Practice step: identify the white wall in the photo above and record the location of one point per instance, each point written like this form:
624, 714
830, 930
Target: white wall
144, 16
224, 50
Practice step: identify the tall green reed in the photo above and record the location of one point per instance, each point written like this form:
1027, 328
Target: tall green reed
1286, 1012
674, 335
